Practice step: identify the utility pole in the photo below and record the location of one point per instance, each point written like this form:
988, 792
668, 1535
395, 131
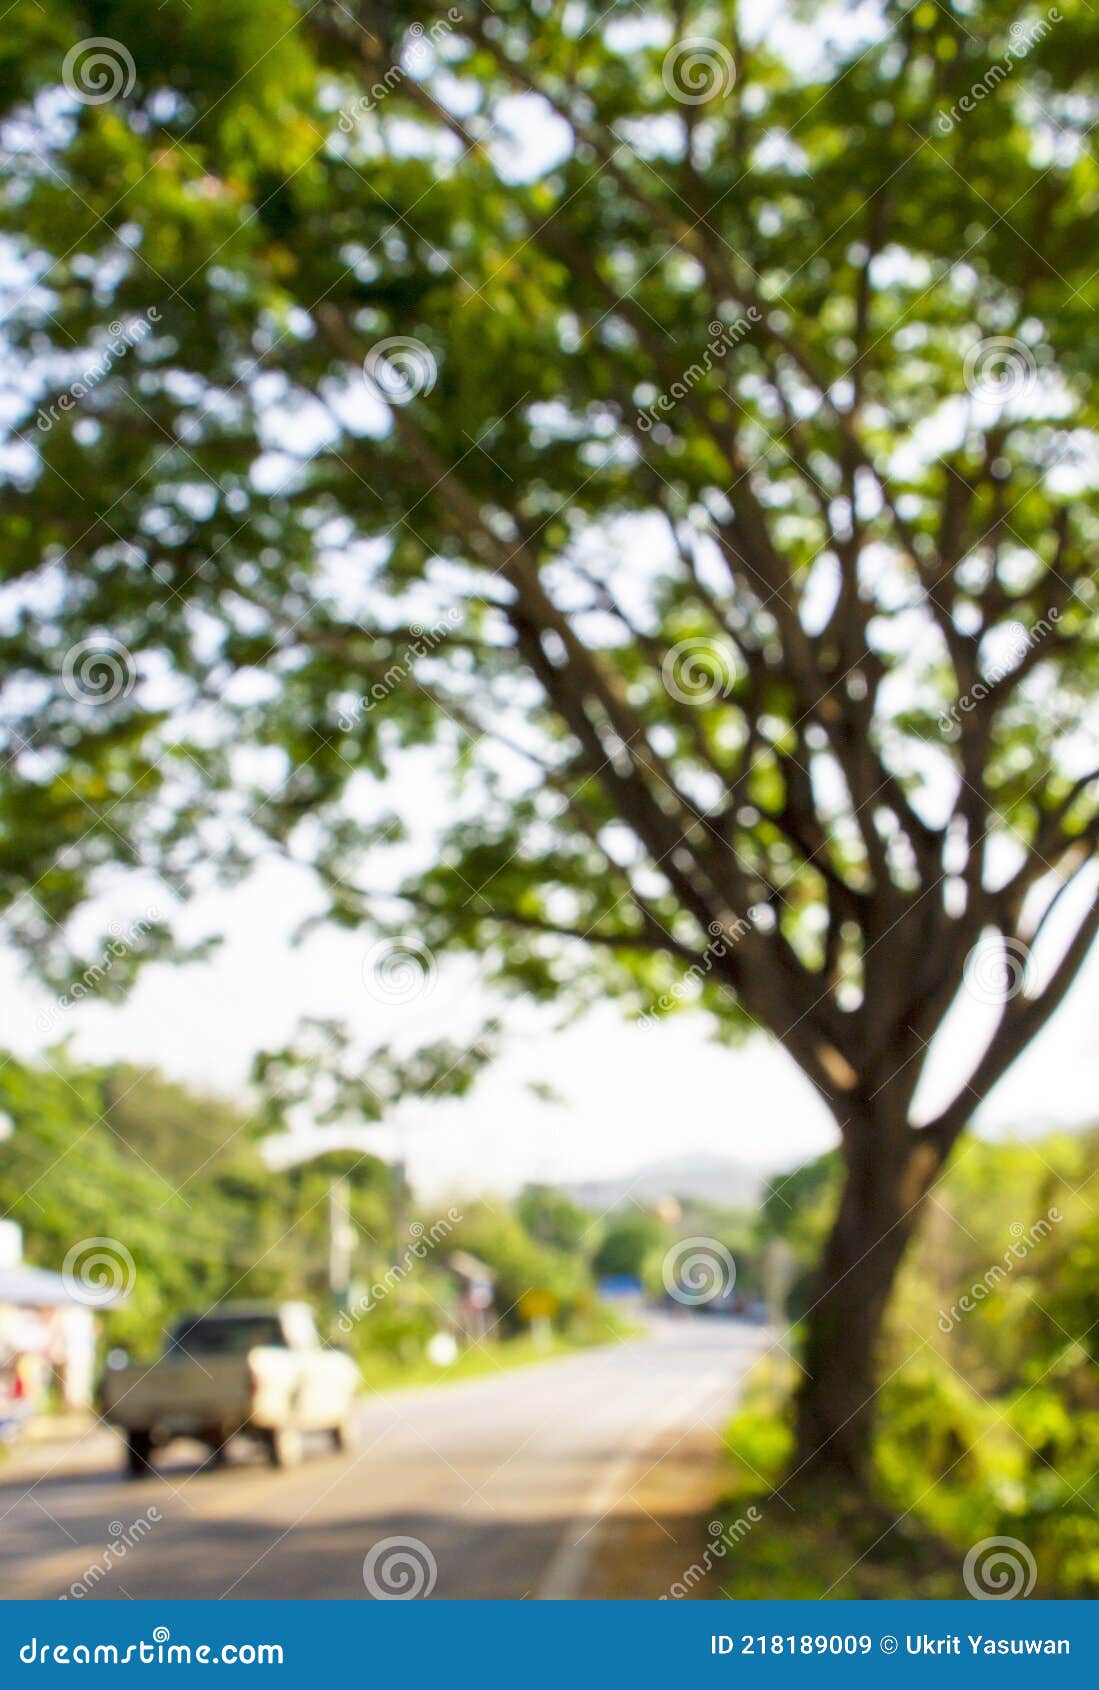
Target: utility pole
341, 1239
399, 1201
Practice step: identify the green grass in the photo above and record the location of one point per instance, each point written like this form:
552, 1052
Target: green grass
388, 1373
820, 1543
951, 1469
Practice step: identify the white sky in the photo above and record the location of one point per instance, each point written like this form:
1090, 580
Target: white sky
632, 1093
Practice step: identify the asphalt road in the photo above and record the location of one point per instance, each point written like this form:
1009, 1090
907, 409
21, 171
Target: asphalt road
513, 1485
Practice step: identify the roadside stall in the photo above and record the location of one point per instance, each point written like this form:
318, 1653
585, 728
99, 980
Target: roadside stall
47, 1340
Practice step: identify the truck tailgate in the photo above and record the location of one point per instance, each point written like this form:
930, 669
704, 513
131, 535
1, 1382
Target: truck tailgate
179, 1394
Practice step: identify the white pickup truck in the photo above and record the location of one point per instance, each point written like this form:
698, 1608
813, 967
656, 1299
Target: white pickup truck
243, 1367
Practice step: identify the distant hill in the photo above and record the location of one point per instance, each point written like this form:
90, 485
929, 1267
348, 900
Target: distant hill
708, 1179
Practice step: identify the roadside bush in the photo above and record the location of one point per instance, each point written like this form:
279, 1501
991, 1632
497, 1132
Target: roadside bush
522, 1266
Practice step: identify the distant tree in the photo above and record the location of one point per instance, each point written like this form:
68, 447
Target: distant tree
800, 1206
522, 1269
554, 1219
171, 1129
627, 1244
691, 442
169, 1222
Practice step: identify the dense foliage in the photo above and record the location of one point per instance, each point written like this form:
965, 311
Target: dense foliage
834, 535
179, 1182
989, 1419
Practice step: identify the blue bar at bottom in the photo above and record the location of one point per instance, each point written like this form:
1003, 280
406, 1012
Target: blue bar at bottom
534, 1644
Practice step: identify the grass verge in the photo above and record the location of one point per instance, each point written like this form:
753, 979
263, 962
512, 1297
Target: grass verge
389, 1373
819, 1543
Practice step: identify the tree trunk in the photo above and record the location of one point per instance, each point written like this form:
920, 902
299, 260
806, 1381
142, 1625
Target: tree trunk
887, 1173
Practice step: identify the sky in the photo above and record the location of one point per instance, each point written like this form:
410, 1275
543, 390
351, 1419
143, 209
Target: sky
630, 1094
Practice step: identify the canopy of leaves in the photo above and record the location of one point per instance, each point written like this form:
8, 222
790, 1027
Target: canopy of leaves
708, 481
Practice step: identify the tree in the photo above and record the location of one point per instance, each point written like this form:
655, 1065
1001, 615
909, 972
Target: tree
627, 1245
686, 439
168, 1128
525, 1271
554, 1219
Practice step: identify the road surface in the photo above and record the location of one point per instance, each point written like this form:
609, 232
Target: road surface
519, 1484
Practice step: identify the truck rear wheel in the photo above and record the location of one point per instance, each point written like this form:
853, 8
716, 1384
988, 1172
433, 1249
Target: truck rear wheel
284, 1446
345, 1436
139, 1449
215, 1441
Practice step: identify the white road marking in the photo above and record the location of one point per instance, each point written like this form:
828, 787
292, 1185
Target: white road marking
566, 1573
